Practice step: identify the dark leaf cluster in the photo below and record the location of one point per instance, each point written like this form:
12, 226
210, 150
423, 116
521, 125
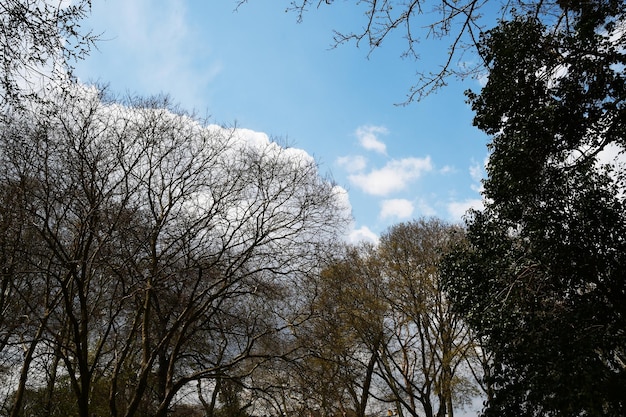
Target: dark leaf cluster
542, 280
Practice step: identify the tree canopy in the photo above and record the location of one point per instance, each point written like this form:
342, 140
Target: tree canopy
542, 280
383, 334
143, 251
145, 254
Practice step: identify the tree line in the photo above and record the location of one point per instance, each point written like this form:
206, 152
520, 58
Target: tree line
143, 251
154, 264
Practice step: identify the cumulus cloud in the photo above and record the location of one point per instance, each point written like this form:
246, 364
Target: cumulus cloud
352, 163
368, 138
363, 234
395, 176
457, 209
343, 200
397, 208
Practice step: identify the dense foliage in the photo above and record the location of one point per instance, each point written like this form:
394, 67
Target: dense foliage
543, 279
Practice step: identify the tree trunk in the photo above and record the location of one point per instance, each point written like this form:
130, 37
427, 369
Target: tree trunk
368, 381
16, 408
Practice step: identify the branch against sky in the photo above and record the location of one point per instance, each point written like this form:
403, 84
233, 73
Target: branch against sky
454, 26
39, 39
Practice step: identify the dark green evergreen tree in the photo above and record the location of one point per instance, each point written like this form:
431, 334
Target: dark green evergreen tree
543, 277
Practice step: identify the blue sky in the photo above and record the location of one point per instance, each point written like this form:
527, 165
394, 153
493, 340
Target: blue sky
258, 68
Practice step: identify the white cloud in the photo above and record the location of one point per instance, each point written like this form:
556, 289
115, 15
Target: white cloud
363, 234
457, 209
447, 170
251, 137
395, 176
425, 209
352, 163
343, 200
368, 138
477, 173
612, 154
398, 208
483, 79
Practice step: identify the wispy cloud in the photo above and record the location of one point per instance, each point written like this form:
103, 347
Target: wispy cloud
397, 208
351, 163
425, 209
458, 208
477, 172
395, 176
368, 138
447, 169
161, 46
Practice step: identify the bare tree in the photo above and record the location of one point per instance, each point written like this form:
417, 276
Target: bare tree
39, 40
170, 248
